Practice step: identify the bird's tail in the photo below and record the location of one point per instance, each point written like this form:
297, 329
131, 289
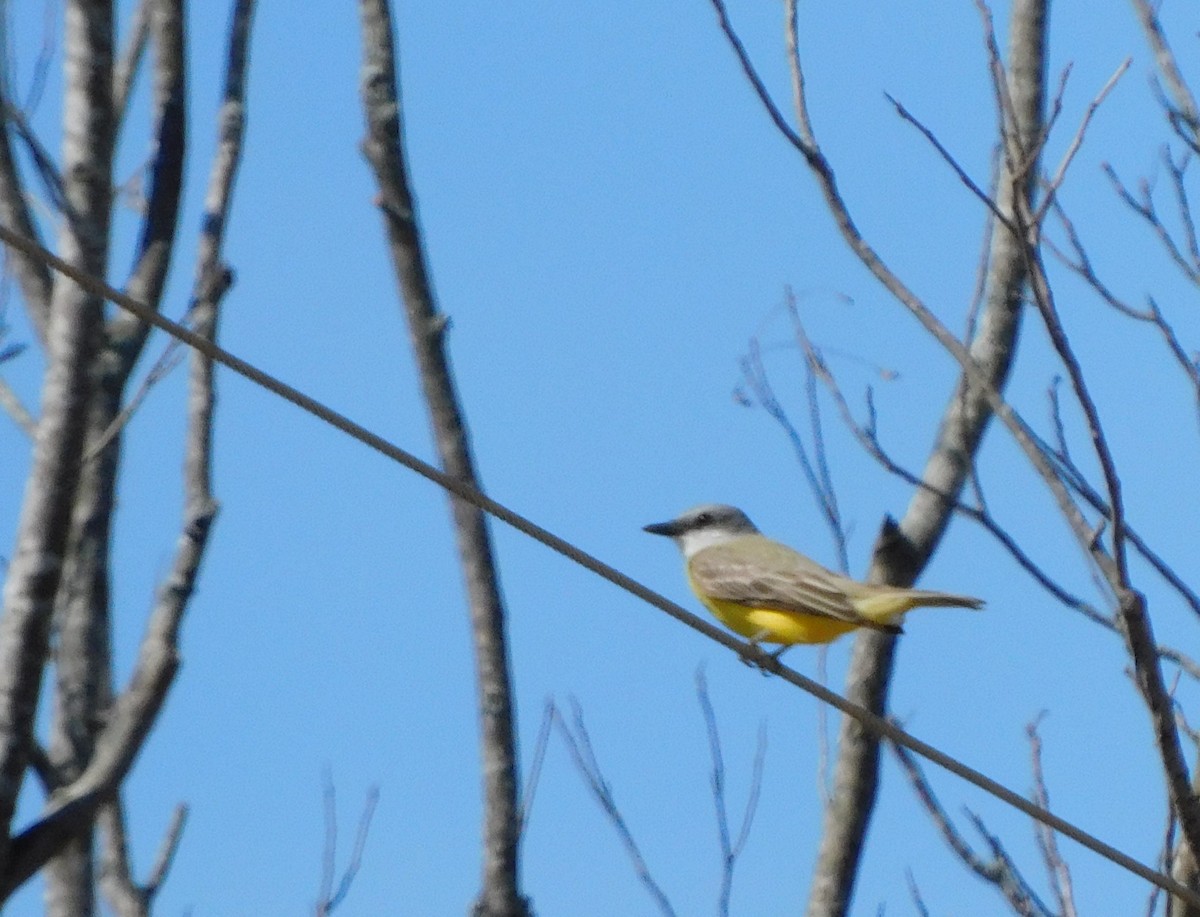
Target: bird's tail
923, 598
887, 603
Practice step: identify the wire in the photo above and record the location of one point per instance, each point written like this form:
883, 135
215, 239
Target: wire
875, 723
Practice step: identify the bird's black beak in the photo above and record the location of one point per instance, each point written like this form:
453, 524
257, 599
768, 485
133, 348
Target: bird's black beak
670, 529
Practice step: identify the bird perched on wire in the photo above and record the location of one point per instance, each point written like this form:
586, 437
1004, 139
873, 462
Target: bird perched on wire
768, 593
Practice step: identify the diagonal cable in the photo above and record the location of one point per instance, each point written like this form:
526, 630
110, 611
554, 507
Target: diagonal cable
768, 663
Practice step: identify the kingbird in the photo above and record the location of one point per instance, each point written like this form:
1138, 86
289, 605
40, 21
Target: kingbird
769, 593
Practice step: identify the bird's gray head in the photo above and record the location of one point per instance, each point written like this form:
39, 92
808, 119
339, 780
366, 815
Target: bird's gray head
704, 526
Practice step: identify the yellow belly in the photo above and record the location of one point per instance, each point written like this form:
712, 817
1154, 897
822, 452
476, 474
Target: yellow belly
765, 625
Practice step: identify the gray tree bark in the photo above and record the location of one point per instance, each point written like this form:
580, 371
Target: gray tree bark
905, 549
59, 578
500, 895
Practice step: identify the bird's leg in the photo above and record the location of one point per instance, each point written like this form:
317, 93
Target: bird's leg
745, 658
757, 647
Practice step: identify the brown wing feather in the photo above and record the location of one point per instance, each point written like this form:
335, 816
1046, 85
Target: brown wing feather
760, 573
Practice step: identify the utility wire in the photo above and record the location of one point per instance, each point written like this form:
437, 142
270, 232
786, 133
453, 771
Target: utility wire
877, 724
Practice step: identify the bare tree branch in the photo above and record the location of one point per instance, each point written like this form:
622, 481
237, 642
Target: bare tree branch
815, 467
127, 65
72, 332
763, 660
915, 894
384, 150
167, 850
328, 897
1184, 114
10, 403
32, 275
579, 745
540, 746
98, 751
826, 492
129, 719
1012, 884
124, 895
1112, 563
1182, 204
1021, 96
126, 334
903, 550
1057, 869
1179, 858
1143, 205
999, 870
1130, 603
963, 177
1081, 264
1164, 862
868, 437
1076, 480
1060, 174
731, 848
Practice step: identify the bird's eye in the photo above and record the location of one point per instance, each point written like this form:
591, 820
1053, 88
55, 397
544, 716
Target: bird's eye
704, 519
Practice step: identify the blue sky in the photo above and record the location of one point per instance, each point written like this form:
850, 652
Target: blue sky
610, 217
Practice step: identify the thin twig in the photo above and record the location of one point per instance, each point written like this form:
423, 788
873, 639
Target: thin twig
1164, 859
1013, 886
1056, 867
827, 492
815, 467
999, 871
756, 82
1010, 141
10, 403
1144, 207
1060, 174
1074, 478
168, 360
540, 746
867, 436
731, 848
329, 847
824, 774
915, 893
43, 161
1081, 264
329, 898
126, 68
963, 177
125, 895
167, 850
579, 745
1182, 203
984, 262
1185, 109
754, 792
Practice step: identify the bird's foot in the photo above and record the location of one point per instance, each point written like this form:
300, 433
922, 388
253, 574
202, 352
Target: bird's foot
756, 661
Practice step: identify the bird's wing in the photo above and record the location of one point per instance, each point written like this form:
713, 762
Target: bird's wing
760, 573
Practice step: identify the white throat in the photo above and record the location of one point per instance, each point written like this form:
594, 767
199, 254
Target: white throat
698, 539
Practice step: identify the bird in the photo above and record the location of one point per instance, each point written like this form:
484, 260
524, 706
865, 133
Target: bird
768, 593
